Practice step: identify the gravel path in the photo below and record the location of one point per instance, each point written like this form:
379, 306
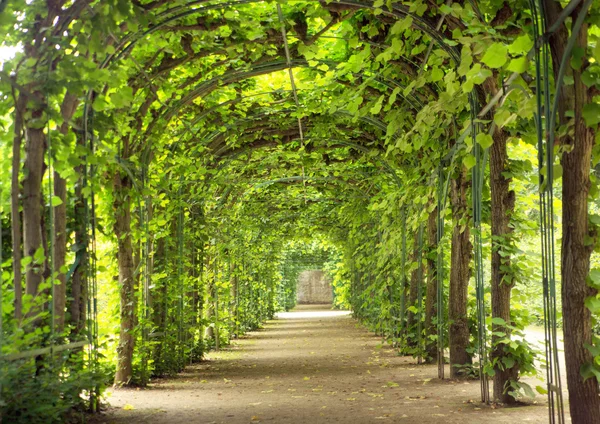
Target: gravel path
312, 366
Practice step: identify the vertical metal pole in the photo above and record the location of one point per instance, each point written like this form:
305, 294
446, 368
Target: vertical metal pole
1, 287
180, 274
52, 238
420, 296
146, 285
440, 274
403, 278
477, 183
216, 300
91, 277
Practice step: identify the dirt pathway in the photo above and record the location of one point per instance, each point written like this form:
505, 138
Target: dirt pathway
312, 366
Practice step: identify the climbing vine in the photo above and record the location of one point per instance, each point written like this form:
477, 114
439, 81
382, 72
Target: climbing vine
166, 168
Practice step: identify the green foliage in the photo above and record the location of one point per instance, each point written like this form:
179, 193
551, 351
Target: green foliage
197, 112
48, 390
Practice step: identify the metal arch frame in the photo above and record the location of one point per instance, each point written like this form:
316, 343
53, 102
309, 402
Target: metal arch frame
397, 12
378, 124
343, 142
209, 86
297, 178
240, 99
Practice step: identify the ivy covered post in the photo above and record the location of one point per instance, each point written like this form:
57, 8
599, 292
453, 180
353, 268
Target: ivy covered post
122, 227
432, 289
460, 274
576, 146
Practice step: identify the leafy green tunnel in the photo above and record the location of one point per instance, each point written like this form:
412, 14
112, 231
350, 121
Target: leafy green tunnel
169, 162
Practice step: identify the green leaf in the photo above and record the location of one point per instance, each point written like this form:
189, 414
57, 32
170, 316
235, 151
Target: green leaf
436, 74
521, 45
594, 219
402, 25
498, 321
577, 57
557, 171
591, 114
519, 65
39, 255
495, 56
485, 140
593, 279
469, 161
377, 106
593, 304
476, 75
56, 201
466, 60
508, 361
588, 371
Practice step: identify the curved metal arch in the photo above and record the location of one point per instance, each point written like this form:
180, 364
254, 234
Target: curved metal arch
390, 170
240, 99
398, 11
206, 87
365, 119
297, 179
402, 58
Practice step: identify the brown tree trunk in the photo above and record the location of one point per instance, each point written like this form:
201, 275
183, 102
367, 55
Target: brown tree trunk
35, 146
59, 299
122, 207
503, 203
584, 396
15, 191
431, 353
460, 273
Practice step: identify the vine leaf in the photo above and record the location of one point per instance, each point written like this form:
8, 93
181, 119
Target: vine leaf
495, 56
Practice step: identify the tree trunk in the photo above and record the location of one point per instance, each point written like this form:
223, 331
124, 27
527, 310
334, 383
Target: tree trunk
59, 297
431, 352
35, 147
503, 203
122, 207
460, 273
15, 191
584, 400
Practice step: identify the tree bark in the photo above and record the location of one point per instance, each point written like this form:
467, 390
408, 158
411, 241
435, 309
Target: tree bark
59, 299
35, 146
503, 204
460, 273
15, 191
122, 227
584, 396
431, 352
